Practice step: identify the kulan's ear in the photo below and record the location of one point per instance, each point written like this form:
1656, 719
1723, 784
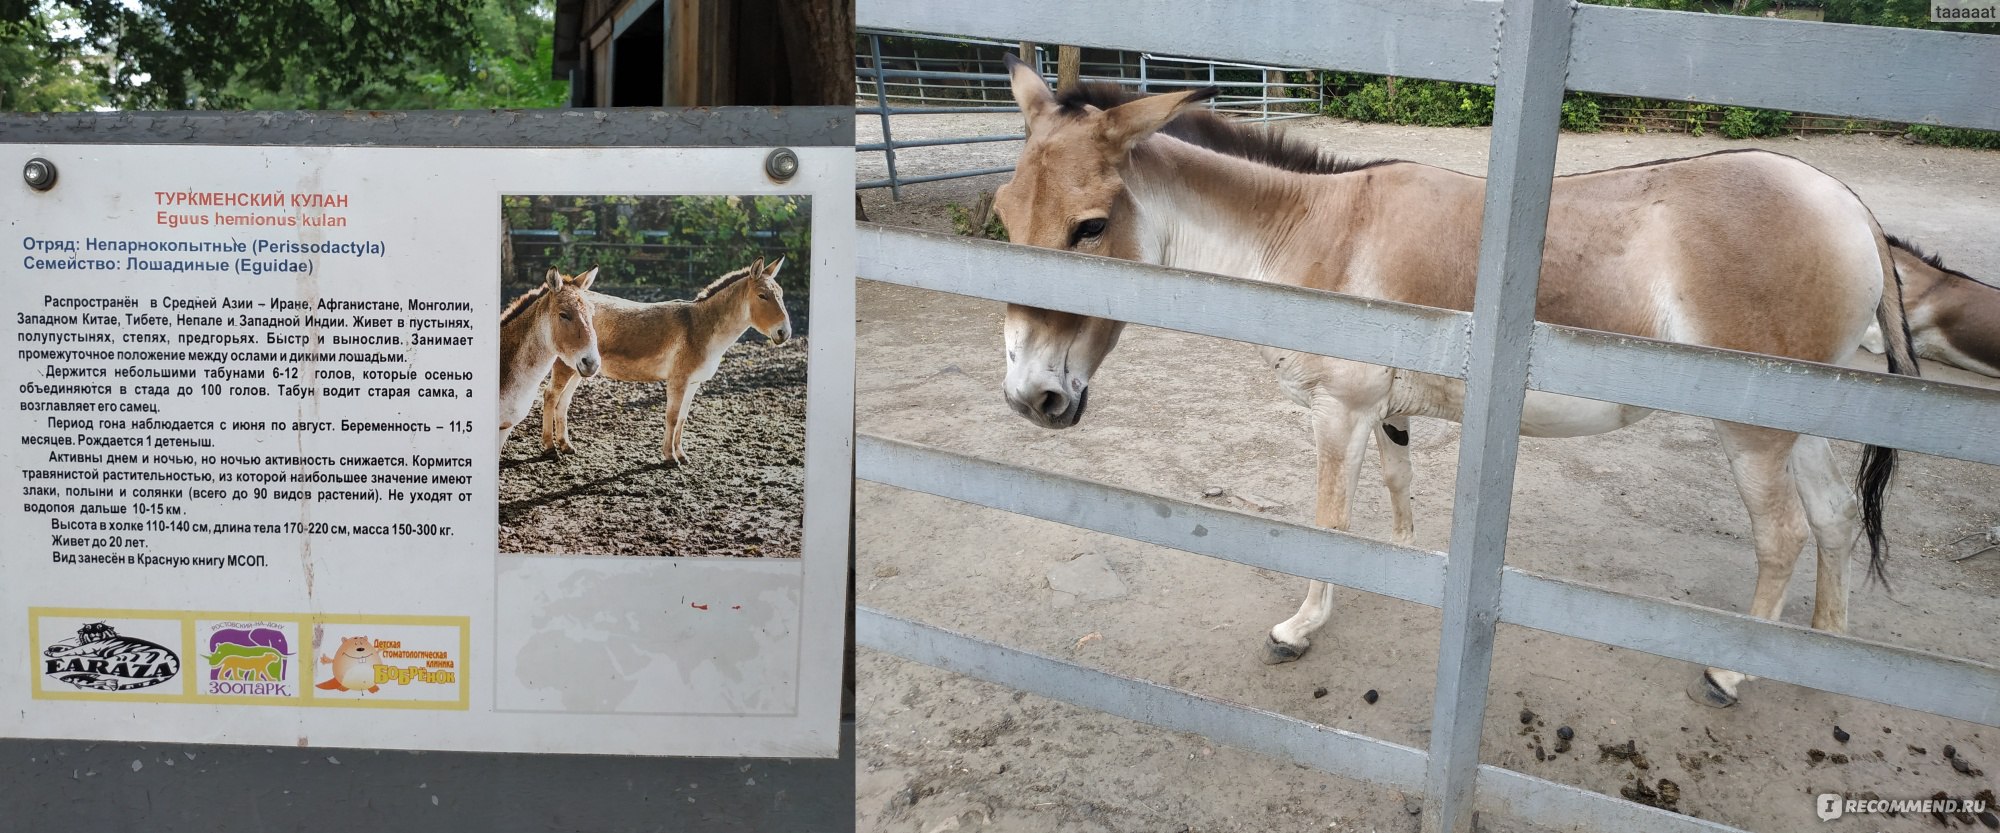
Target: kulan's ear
583, 281
773, 271
1127, 124
554, 279
1031, 91
757, 266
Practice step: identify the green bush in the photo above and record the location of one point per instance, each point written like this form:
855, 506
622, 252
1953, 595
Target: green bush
1582, 114
1749, 123
1956, 137
961, 222
1374, 98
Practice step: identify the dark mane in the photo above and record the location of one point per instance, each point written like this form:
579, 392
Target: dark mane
722, 283
520, 305
1205, 129
1935, 261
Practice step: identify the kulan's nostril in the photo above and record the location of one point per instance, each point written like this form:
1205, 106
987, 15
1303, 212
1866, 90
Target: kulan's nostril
1053, 403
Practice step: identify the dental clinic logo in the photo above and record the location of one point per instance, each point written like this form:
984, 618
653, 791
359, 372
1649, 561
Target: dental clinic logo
99, 659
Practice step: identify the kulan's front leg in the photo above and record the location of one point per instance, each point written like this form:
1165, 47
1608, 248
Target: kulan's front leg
680, 425
670, 444
1341, 436
563, 382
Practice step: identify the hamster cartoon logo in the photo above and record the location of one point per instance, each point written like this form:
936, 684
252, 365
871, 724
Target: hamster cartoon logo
353, 666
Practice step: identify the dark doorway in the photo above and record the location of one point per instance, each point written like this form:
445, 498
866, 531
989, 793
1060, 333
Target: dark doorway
637, 58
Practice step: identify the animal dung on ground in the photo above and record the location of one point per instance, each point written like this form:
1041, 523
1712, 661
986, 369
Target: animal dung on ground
1319, 692
1371, 697
1527, 717
1666, 797
1212, 491
1565, 733
1629, 752
1840, 735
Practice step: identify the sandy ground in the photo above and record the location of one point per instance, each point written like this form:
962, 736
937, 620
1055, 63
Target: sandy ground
1647, 510
741, 494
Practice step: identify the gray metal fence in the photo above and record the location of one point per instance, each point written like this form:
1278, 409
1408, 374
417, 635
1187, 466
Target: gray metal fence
1532, 50
889, 83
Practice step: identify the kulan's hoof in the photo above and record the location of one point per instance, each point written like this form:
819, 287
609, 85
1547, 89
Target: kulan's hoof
1278, 653
1706, 692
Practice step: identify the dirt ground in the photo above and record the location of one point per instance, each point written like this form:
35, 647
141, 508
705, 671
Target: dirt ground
742, 494
1647, 510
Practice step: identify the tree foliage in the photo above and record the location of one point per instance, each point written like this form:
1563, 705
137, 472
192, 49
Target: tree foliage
39, 68
283, 54
655, 248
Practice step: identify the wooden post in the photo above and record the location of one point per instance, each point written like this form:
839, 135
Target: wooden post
1069, 66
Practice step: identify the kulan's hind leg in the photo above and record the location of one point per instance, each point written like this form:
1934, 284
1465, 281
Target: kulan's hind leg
1758, 458
556, 398
1393, 440
1835, 516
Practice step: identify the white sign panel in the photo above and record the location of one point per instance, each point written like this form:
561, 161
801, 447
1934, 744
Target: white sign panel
517, 450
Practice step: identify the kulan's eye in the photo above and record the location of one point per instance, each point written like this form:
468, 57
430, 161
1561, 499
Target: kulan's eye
764, 295
1089, 229
565, 316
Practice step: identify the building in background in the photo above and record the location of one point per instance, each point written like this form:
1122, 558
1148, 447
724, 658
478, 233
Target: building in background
689, 53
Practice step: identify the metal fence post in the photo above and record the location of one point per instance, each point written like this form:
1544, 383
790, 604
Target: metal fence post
1534, 59
882, 107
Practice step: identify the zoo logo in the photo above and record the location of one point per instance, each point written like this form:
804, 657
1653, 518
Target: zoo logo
248, 660
101, 660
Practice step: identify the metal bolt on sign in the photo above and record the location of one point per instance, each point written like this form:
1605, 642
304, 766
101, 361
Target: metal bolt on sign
782, 164
39, 173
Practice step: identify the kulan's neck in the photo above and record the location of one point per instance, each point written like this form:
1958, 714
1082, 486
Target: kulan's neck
534, 345
1208, 212
721, 318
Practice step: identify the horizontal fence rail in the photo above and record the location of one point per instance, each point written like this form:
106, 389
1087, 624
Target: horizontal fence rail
1320, 747
1941, 418
1822, 400
1305, 551
1947, 78
1907, 75
1323, 748
1379, 332
1897, 676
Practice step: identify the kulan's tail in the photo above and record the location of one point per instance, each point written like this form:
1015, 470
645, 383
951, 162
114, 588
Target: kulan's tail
1878, 463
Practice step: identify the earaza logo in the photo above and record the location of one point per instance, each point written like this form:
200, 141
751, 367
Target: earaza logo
101, 660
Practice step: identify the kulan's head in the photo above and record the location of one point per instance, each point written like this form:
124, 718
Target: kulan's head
767, 307
570, 323
1067, 193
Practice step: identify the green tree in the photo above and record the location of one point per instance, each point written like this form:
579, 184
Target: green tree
312, 54
41, 69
